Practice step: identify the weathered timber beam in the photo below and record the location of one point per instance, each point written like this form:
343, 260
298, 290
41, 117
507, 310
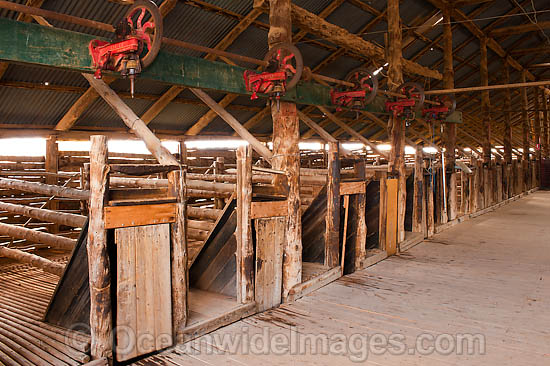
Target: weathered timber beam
519, 29
38, 237
315, 127
35, 44
36, 261
62, 218
163, 183
352, 132
339, 36
136, 125
231, 121
41, 188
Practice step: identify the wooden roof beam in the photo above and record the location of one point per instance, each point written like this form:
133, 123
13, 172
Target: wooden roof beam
341, 37
519, 29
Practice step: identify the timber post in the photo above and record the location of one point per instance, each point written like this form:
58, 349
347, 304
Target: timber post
52, 166
332, 229
450, 128
99, 268
219, 168
525, 161
538, 153
245, 249
486, 124
286, 152
361, 205
419, 203
396, 164
179, 255
507, 138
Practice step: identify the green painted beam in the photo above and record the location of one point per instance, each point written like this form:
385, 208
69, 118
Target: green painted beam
51, 47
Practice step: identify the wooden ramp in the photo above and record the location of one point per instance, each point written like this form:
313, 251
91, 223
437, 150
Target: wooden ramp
70, 303
214, 267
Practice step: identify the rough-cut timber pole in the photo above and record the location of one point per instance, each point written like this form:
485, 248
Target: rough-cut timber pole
62, 218
231, 121
98, 259
396, 164
536, 96
486, 124
180, 275
339, 36
507, 139
245, 249
36, 236
286, 153
419, 203
130, 119
485, 103
51, 166
360, 208
545, 122
332, 227
525, 135
45, 189
36, 261
450, 128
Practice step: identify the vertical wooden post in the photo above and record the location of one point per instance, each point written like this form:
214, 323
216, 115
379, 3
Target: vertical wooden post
52, 166
465, 194
361, 205
332, 230
383, 212
392, 186
179, 255
506, 168
545, 122
219, 169
183, 152
485, 104
474, 193
430, 215
419, 206
486, 115
525, 135
450, 128
538, 152
98, 258
245, 249
286, 153
396, 166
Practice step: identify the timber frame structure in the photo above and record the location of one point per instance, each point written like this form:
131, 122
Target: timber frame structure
175, 245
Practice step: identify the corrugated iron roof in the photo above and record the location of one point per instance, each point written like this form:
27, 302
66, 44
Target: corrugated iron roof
194, 22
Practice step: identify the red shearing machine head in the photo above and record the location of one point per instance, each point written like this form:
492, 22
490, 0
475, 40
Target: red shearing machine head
137, 42
360, 91
283, 71
442, 106
410, 101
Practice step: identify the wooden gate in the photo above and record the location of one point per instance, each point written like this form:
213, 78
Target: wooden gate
143, 291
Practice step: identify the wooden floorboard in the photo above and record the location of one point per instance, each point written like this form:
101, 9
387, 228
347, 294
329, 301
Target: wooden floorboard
25, 339
486, 276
